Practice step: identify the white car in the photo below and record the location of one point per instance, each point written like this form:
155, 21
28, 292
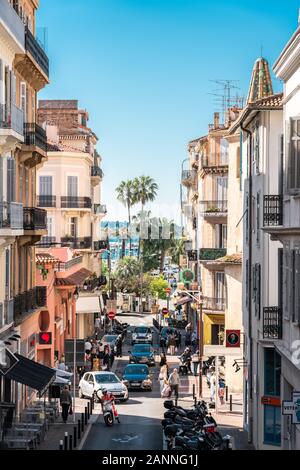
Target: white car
108, 340
142, 334
92, 382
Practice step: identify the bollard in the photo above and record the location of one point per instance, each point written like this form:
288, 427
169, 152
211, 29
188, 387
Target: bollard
88, 410
82, 422
61, 445
230, 403
75, 437
70, 442
79, 429
226, 393
194, 391
91, 405
66, 441
93, 402
85, 415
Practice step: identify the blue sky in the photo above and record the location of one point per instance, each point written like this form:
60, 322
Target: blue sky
142, 68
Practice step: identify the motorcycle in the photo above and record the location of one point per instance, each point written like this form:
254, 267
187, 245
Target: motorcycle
108, 413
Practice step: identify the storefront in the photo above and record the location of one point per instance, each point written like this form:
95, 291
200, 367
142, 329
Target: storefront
214, 326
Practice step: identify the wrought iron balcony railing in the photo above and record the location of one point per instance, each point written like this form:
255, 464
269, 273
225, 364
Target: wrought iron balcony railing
46, 201
100, 209
30, 300
273, 210
46, 242
214, 160
210, 254
78, 243
69, 202
101, 245
213, 207
211, 303
36, 51
69, 264
192, 255
11, 215
35, 219
35, 135
91, 284
272, 323
12, 117
188, 177
96, 171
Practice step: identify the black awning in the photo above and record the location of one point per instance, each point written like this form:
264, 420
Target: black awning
32, 374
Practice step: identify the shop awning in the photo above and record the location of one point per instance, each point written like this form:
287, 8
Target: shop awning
32, 374
88, 304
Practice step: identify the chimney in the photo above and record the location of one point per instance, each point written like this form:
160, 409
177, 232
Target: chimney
216, 120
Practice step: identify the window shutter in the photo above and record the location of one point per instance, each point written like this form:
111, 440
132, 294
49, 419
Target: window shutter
10, 180
1, 86
258, 290
72, 186
288, 160
297, 286
285, 260
1, 179
257, 219
254, 283
23, 96
13, 87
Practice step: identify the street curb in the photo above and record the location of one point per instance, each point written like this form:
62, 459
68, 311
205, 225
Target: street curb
94, 419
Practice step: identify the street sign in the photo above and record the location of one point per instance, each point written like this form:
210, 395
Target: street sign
7, 359
187, 275
111, 315
233, 338
292, 408
45, 338
165, 311
168, 290
69, 352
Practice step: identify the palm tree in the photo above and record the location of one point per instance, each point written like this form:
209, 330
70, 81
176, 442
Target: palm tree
126, 194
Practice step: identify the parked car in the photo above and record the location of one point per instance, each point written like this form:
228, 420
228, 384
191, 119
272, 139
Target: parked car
109, 340
142, 334
137, 377
142, 354
92, 382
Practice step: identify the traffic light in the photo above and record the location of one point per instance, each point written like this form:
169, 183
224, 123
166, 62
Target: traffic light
45, 338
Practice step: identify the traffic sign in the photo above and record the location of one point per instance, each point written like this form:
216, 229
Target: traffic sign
111, 315
233, 338
292, 408
168, 290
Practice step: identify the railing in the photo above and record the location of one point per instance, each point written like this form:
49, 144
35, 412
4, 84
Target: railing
214, 160
273, 210
210, 254
11, 215
96, 171
37, 52
69, 264
35, 135
211, 303
30, 300
12, 117
46, 242
100, 209
46, 201
188, 177
213, 207
192, 255
14, 24
92, 284
101, 245
76, 202
72, 242
35, 219
272, 323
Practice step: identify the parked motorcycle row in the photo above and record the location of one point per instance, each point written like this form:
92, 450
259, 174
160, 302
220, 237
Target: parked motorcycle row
192, 429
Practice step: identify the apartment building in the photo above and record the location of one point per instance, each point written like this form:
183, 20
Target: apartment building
260, 128
69, 184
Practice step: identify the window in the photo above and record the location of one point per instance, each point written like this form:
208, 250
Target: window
280, 278
50, 226
23, 96
272, 425
281, 159
221, 236
272, 414
247, 218
257, 219
296, 284
220, 285
73, 221
45, 185
224, 151
11, 180
222, 185
256, 152
293, 155
72, 186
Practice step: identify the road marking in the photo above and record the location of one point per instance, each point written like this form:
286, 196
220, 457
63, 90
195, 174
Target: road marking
125, 439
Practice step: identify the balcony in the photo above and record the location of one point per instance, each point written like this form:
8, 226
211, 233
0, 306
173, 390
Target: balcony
214, 304
29, 301
273, 210
11, 217
211, 254
34, 149
6, 313
272, 323
95, 283
101, 245
35, 219
46, 201
11, 126
96, 175
188, 177
12, 29
34, 64
214, 161
69, 264
77, 243
213, 209
100, 209
75, 202
46, 242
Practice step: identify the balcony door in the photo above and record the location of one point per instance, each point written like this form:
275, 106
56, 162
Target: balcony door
72, 186
73, 227
46, 190
224, 145
222, 185
220, 286
221, 236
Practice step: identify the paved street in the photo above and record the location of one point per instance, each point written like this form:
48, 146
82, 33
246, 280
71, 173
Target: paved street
140, 427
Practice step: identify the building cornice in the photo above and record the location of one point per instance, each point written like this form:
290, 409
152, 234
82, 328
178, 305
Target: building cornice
289, 59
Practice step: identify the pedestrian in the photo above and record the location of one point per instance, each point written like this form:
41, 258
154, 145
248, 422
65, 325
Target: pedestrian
178, 339
62, 364
119, 345
97, 326
195, 362
194, 340
212, 387
163, 359
66, 403
174, 382
163, 377
221, 391
106, 358
88, 346
172, 344
188, 338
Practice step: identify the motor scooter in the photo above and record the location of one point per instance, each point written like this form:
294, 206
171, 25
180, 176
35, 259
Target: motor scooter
108, 412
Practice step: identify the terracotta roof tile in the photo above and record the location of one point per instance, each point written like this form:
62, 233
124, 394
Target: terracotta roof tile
76, 279
273, 101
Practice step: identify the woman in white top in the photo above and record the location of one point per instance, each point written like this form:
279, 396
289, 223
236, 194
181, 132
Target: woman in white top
163, 377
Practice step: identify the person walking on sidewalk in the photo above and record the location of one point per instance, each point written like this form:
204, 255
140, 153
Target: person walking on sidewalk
163, 376
65, 402
174, 382
172, 344
119, 345
195, 362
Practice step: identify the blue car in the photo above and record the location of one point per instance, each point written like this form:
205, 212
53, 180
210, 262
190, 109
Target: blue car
137, 377
142, 354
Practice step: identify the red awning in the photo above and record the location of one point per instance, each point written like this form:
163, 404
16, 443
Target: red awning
76, 279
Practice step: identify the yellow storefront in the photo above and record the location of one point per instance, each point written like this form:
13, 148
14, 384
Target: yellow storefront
214, 325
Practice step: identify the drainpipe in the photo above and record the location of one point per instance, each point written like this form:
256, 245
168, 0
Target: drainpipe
250, 346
